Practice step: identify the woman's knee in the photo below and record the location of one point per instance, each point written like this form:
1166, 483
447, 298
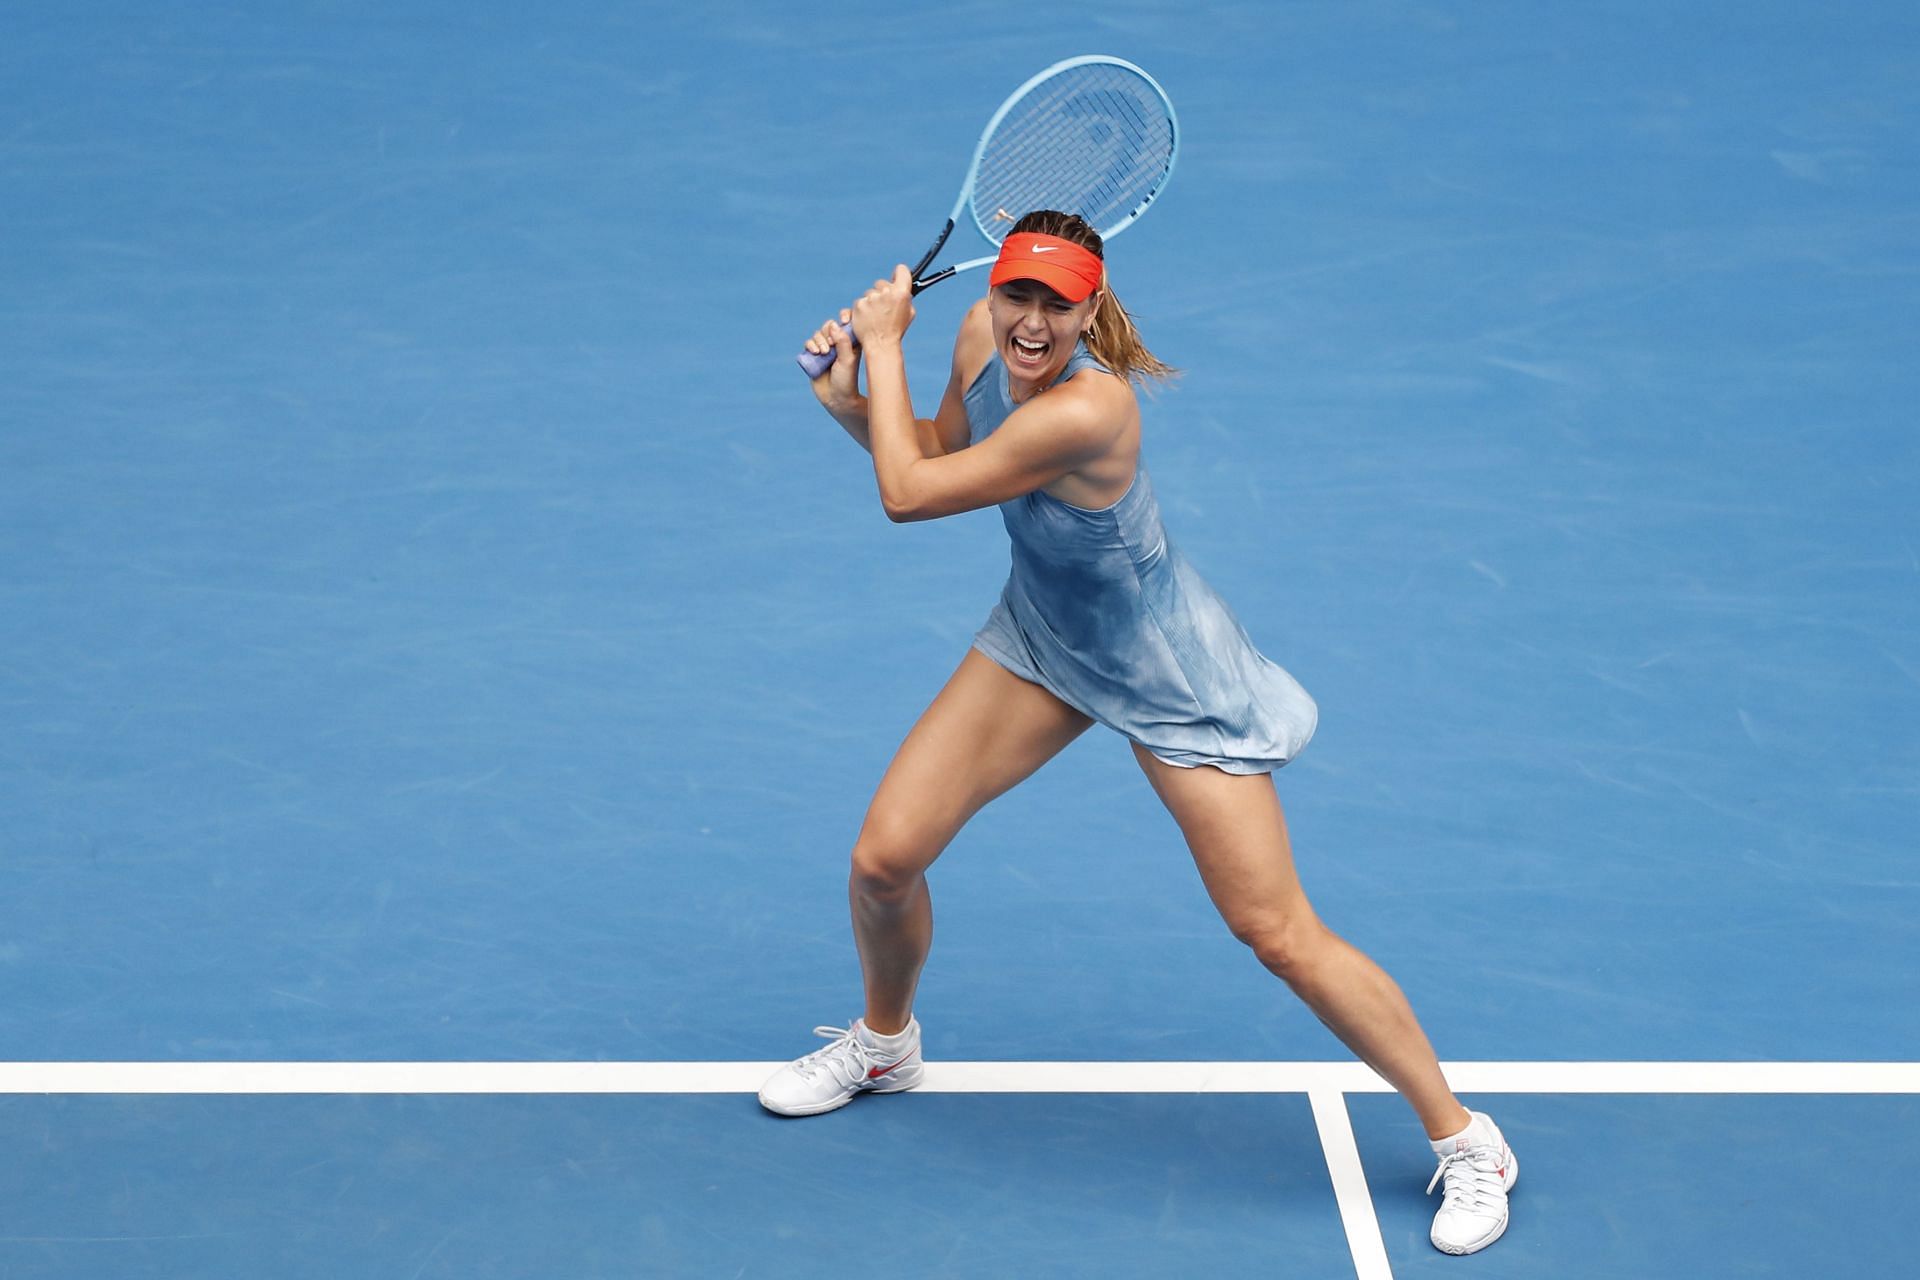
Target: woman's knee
889, 858
1288, 944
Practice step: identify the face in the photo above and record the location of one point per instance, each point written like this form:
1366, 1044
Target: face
1035, 329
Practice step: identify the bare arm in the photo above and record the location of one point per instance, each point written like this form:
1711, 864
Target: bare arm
1037, 444
1040, 442
838, 390
857, 421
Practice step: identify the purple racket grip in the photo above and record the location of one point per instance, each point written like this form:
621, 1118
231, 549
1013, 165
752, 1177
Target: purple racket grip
813, 366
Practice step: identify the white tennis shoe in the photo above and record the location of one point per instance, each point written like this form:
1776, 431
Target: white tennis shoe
1479, 1171
828, 1078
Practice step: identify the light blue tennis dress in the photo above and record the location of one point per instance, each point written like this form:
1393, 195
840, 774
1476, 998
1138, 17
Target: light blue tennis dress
1104, 612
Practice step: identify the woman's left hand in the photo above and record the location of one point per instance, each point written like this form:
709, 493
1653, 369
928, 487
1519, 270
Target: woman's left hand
883, 312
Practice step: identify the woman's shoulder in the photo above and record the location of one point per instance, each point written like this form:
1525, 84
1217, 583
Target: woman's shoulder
1091, 412
1098, 387
973, 345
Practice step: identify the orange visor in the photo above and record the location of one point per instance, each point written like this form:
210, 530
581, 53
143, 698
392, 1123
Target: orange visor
1061, 265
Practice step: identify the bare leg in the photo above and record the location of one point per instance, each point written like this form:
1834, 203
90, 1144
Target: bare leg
984, 732
1238, 836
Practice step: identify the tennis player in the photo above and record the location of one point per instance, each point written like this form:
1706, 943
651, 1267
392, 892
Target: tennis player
1101, 619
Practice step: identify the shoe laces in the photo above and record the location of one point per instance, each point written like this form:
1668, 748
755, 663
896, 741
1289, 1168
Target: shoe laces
1476, 1180
846, 1059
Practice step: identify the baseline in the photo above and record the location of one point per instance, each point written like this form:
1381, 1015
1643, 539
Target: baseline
952, 1077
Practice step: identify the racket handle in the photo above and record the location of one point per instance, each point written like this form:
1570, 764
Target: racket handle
813, 366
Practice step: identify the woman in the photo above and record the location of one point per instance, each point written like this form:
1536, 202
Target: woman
1101, 619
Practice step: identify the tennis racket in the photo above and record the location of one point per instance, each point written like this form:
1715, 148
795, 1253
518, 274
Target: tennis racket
1094, 136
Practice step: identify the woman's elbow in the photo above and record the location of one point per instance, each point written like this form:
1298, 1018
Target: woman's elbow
901, 510
907, 503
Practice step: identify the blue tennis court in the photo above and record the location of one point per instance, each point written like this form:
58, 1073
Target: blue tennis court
445, 653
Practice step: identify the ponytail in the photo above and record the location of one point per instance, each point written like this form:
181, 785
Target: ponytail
1116, 344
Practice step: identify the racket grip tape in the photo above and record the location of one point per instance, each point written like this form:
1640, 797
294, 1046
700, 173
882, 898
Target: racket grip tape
813, 366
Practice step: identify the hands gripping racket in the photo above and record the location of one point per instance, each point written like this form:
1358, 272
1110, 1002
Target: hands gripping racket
1094, 136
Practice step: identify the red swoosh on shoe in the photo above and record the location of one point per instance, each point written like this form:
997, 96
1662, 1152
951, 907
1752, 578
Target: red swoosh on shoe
877, 1072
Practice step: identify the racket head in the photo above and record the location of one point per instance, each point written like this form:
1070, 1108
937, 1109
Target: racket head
1093, 135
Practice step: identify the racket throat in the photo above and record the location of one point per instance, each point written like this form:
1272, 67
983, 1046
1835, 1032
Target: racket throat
927, 258
933, 279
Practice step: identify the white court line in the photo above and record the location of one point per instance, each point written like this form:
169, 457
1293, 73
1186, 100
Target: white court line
1350, 1185
1324, 1083
952, 1077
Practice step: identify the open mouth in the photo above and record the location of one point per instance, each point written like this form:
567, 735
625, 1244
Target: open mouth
1029, 352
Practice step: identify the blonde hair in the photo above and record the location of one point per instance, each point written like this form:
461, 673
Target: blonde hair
1112, 337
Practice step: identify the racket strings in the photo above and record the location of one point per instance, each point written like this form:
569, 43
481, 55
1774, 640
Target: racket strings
1087, 153
1095, 140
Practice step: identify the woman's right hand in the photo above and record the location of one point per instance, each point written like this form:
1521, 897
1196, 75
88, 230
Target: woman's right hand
839, 387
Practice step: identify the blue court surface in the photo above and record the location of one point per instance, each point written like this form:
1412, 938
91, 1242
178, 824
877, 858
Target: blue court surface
439, 631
